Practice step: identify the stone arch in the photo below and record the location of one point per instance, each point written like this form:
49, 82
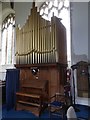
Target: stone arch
6, 12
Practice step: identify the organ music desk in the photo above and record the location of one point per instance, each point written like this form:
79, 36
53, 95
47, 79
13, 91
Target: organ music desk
33, 96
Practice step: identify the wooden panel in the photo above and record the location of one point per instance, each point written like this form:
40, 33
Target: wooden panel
82, 79
54, 73
61, 44
32, 95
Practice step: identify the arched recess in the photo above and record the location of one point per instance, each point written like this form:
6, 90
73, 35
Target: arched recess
6, 12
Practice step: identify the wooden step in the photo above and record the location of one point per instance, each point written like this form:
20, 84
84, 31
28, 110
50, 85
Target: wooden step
28, 103
28, 95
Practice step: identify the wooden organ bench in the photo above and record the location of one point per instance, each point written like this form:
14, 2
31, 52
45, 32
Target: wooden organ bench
33, 96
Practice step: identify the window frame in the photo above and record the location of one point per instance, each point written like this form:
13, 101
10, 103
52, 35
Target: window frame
12, 14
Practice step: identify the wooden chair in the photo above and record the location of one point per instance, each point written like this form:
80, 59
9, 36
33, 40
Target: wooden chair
57, 105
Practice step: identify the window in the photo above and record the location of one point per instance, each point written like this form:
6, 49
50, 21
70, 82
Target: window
8, 42
61, 9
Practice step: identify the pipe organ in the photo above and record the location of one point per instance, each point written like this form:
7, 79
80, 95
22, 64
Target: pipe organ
40, 41
41, 44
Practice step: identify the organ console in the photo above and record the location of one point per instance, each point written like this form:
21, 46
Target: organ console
41, 44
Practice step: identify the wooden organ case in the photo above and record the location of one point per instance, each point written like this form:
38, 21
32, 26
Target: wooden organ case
41, 44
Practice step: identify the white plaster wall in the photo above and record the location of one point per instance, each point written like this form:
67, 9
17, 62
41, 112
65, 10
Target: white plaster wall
5, 5
22, 10
79, 39
3, 69
79, 31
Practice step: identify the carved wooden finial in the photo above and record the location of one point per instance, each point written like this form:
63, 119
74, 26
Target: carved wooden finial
53, 13
34, 3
